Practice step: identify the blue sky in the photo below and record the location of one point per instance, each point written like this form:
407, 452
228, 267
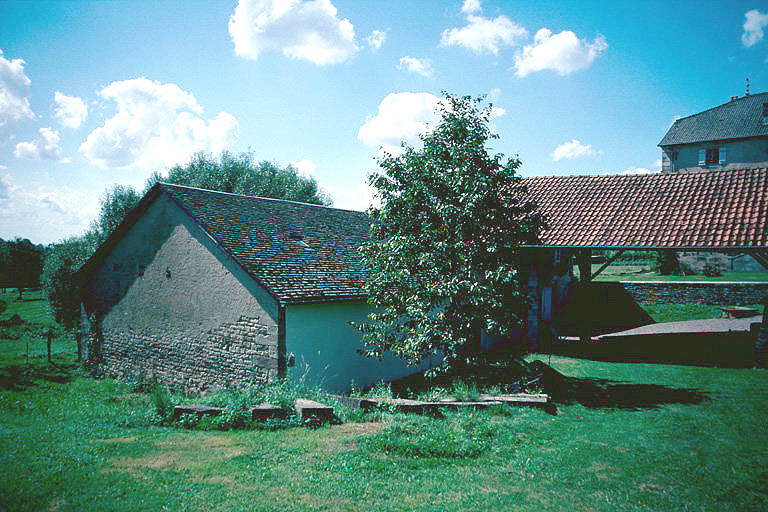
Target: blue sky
325, 83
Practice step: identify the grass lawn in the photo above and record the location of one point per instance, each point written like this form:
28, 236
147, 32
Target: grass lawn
643, 272
680, 312
627, 437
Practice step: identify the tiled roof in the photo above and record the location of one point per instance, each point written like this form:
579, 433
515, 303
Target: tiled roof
299, 252
736, 119
715, 209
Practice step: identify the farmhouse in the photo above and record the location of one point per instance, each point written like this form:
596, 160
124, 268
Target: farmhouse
733, 135
202, 289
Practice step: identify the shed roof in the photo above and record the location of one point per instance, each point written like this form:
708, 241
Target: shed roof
705, 210
737, 119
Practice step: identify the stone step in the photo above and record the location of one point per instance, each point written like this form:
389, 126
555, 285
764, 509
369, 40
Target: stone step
264, 412
198, 409
306, 409
354, 402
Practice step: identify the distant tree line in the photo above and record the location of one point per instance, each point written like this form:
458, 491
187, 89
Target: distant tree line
235, 173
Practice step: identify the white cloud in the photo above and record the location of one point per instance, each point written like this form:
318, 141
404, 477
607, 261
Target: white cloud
421, 66
402, 116
572, 149
156, 125
14, 95
753, 27
471, 6
494, 94
305, 167
70, 111
639, 170
497, 112
309, 30
44, 147
484, 35
355, 197
44, 214
376, 39
5, 186
563, 52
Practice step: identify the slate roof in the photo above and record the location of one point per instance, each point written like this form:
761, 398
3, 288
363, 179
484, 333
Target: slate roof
297, 251
712, 210
737, 119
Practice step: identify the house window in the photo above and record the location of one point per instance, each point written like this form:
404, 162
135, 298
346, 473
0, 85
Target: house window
713, 156
673, 155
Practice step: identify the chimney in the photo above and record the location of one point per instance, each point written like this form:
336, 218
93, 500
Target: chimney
734, 98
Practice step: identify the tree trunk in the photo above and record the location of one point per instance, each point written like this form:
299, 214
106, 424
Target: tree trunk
78, 338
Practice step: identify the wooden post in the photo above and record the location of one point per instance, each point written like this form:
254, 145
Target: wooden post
49, 335
585, 279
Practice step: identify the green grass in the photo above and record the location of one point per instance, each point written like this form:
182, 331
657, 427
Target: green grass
634, 272
681, 312
627, 437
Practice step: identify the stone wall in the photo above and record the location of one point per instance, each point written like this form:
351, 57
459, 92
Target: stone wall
683, 292
168, 304
231, 354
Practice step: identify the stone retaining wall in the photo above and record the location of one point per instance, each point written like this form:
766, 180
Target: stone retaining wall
689, 292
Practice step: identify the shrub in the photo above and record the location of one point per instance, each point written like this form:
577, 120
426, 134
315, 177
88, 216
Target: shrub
667, 263
712, 270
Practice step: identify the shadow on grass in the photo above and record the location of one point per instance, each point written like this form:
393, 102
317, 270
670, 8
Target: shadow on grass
20, 377
608, 394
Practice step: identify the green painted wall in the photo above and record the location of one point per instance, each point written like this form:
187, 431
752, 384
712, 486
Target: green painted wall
324, 345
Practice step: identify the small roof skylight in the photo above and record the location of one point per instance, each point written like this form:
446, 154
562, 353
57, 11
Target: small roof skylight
299, 240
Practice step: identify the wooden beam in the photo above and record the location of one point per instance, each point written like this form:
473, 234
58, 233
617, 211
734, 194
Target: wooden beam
761, 258
585, 278
607, 263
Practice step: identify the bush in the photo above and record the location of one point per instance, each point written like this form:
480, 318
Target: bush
667, 263
712, 270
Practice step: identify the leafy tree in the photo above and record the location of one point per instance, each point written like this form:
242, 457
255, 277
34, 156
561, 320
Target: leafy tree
25, 263
115, 204
443, 253
5, 258
242, 174
59, 270
667, 263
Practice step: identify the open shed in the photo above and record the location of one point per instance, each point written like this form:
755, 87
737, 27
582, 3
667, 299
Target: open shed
724, 211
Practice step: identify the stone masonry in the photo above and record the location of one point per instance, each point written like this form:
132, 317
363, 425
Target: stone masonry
689, 292
230, 355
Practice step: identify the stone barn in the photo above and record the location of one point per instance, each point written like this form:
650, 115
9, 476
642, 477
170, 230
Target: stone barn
201, 289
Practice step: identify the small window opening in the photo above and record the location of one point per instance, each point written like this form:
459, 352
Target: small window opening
713, 156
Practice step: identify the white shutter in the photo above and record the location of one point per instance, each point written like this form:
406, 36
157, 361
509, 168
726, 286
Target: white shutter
723, 158
702, 157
